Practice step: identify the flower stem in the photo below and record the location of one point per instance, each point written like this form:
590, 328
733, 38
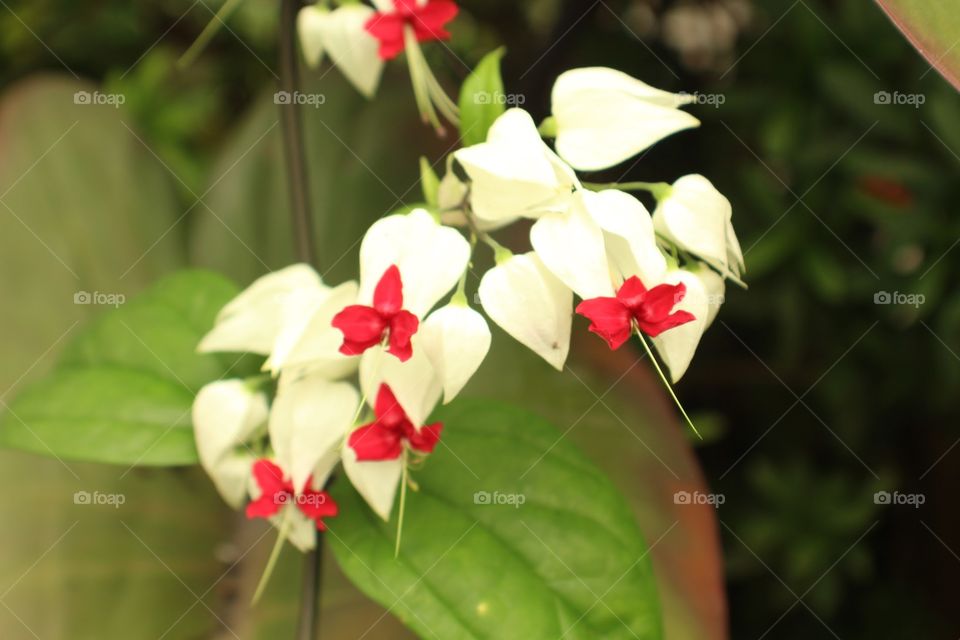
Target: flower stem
292, 125
667, 384
285, 523
403, 504
216, 23
303, 239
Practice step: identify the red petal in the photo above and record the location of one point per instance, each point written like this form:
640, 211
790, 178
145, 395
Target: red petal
269, 477
659, 302
402, 327
653, 329
425, 438
388, 296
388, 410
388, 29
317, 505
376, 442
429, 21
632, 293
362, 328
264, 506
609, 319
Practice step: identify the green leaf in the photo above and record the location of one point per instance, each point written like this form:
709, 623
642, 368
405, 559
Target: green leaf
123, 390
933, 28
482, 99
564, 559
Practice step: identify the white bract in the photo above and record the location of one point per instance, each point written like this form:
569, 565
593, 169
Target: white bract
308, 421
226, 415
514, 174
415, 383
341, 33
252, 321
703, 299
430, 256
456, 339
698, 219
603, 117
531, 304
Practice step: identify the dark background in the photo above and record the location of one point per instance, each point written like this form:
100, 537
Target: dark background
813, 396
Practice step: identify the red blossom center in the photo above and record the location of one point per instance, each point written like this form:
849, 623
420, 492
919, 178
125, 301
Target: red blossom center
277, 492
385, 437
613, 319
427, 20
386, 322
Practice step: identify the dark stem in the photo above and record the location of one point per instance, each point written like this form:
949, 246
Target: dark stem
292, 126
303, 239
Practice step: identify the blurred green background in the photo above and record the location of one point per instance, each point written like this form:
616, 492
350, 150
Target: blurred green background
814, 391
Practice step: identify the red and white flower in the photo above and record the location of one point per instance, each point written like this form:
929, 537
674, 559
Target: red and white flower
342, 33
374, 456
296, 512
385, 322
635, 307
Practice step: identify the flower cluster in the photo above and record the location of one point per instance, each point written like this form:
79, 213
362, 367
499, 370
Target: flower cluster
275, 440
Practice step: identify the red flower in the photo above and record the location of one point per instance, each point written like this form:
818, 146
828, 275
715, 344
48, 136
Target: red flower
276, 492
383, 439
613, 318
385, 322
427, 20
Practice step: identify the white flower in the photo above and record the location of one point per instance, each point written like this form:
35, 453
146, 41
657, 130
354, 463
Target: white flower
698, 219
308, 421
431, 258
603, 117
531, 304
226, 414
514, 174
252, 321
703, 299
343, 35
456, 339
